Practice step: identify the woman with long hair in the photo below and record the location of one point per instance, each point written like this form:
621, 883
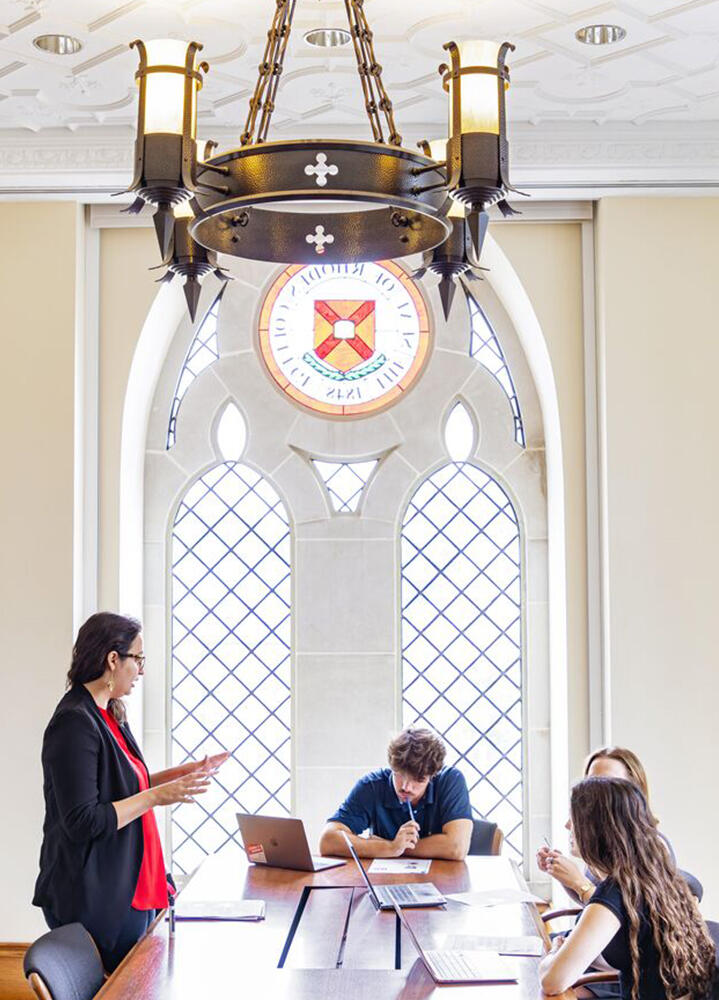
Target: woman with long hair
605, 762
641, 917
101, 860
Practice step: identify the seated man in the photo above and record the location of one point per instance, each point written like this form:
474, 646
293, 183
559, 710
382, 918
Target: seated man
413, 808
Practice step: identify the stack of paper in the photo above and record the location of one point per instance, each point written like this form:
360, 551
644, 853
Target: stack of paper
231, 909
494, 897
399, 866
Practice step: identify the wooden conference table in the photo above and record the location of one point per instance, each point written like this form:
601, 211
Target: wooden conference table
341, 948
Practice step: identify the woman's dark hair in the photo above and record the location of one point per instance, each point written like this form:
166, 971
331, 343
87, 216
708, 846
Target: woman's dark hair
102, 634
632, 764
615, 835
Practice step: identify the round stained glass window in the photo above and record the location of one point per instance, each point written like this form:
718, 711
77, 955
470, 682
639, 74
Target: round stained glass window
344, 339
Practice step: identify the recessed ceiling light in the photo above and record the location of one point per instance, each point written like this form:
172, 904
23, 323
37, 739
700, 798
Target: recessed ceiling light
327, 38
58, 45
600, 34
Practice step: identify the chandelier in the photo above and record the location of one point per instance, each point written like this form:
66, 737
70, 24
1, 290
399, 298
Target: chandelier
331, 200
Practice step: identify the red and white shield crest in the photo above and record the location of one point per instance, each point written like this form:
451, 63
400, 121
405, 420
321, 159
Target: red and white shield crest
344, 332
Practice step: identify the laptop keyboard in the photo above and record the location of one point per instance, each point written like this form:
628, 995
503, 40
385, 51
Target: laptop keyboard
451, 965
401, 893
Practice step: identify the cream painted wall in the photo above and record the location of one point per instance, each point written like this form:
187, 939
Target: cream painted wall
36, 511
548, 260
127, 289
657, 404
658, 303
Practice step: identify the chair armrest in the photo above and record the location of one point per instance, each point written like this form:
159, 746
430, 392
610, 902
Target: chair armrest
554, 914
597, 977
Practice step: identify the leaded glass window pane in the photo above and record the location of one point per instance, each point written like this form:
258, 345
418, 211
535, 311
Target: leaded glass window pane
485, 347
461, 634
345, 482
230, 653
202, 352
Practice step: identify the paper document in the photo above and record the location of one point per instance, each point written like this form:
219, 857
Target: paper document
231, 909
494, 897
399, 866
531, 945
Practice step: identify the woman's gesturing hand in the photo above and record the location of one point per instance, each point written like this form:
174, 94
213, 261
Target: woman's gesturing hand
563, 869
182, 789
208, 765
543, 857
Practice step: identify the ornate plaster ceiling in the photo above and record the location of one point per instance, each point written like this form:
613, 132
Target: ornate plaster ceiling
667, 67
665, 71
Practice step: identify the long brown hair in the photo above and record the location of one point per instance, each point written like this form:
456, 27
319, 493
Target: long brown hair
102, 634
615, 835
632, 764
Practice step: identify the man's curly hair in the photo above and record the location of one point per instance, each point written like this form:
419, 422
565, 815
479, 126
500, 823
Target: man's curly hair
419, 753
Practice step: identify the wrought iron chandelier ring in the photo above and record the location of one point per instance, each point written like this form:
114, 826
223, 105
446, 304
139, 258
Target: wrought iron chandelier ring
409, 187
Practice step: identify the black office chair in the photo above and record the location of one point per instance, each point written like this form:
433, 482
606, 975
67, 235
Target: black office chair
713, 928
487, 838
695, 886
64, 964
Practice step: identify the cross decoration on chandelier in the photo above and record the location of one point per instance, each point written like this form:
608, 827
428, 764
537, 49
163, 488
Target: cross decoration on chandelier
369, 200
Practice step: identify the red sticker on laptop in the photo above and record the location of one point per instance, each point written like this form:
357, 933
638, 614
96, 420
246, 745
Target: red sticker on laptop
256, 854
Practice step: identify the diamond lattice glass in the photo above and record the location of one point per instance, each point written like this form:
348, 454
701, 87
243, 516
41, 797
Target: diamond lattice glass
230, 653
345, 482
485, 347
202, 352
461, 634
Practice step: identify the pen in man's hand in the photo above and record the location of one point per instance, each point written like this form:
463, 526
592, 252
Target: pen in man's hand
411, 813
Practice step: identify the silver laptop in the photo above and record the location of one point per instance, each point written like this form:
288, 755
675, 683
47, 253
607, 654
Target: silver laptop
384, 897
453, 967
280, 842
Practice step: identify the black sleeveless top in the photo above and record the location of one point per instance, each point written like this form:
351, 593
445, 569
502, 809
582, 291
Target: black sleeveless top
617, 952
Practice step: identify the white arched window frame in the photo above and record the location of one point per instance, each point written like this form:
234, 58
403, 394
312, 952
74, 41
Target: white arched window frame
407, 443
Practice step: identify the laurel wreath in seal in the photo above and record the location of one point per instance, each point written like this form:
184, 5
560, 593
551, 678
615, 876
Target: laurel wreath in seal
351, 376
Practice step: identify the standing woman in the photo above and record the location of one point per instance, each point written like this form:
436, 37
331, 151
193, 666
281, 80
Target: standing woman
101, 860
641, 917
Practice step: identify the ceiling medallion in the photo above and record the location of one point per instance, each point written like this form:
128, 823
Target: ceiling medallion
335, 201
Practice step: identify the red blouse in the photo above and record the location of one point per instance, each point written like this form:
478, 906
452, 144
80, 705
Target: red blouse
151, 889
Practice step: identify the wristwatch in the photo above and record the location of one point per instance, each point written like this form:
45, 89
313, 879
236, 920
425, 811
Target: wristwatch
584, 887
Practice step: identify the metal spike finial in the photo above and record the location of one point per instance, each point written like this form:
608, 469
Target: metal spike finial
447, 288
164, 220
192, 291
477, 221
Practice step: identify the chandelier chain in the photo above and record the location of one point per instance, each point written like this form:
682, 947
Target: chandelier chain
370, 74
262, 102
270, 70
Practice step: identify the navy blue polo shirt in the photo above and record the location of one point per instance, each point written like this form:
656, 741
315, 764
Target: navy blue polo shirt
373, 804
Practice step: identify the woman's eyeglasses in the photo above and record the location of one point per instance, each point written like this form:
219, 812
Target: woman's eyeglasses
139, 658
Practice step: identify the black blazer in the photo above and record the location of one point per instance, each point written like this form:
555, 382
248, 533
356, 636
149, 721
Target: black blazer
88, 868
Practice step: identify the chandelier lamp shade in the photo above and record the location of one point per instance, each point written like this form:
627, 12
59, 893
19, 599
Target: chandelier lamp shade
168, 79
477, 156
301, 201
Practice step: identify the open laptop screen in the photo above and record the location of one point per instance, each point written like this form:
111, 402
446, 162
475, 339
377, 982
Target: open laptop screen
363, 873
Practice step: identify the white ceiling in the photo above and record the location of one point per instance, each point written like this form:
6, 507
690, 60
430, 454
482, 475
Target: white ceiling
667, 68
665, 71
